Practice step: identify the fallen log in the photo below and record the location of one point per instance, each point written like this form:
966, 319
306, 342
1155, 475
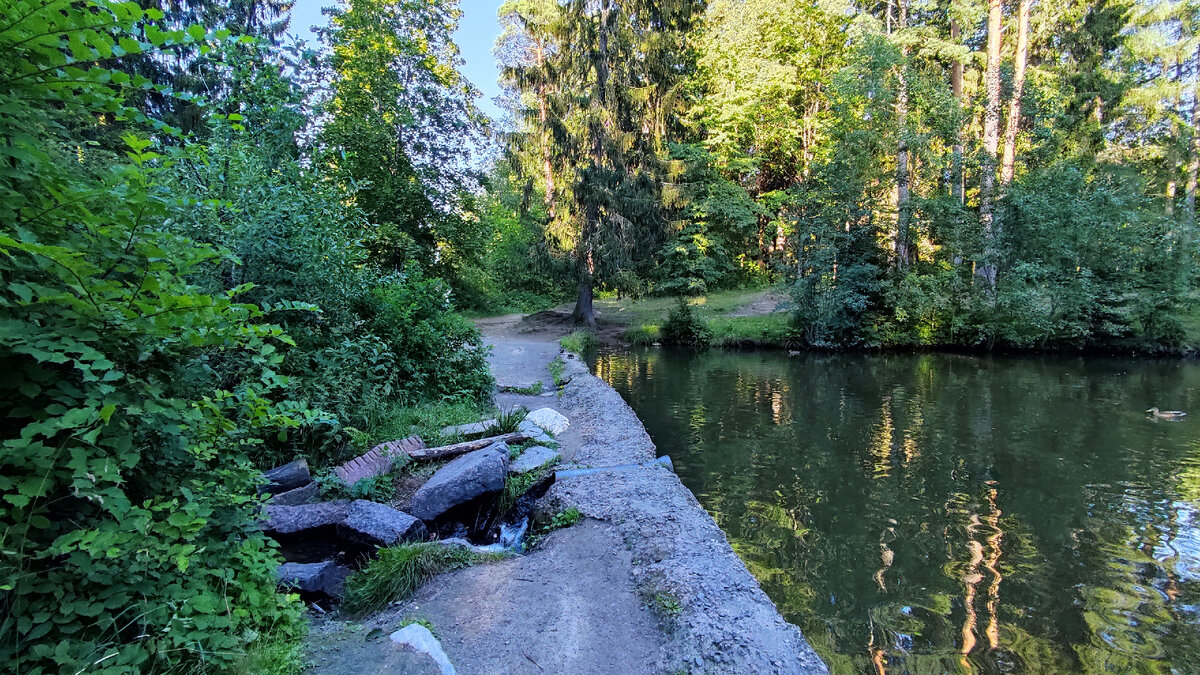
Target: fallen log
287, 477
456, 449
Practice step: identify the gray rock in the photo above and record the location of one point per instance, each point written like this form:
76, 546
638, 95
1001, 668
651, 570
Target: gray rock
520, 386
471, 476
534, 431
325, 578
379, 525
469, 430
291, 519
549, 419
418, 638
533, 458
301, 495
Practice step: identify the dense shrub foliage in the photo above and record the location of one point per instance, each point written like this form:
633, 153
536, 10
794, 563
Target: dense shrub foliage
684, 327
178, 312
133, 399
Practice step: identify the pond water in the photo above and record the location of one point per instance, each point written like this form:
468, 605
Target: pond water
947, 513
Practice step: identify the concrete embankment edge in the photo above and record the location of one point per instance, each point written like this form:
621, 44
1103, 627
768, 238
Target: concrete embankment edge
719, 619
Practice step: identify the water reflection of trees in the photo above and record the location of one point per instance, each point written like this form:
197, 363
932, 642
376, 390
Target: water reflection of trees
945, 513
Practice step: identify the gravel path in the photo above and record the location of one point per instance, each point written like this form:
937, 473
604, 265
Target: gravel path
646, 583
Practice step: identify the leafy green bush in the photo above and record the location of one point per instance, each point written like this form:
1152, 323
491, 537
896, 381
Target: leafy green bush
373, 488
376, 340
438, 354
127, 491
684, 327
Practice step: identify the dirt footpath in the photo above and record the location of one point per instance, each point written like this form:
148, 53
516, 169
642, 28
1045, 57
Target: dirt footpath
646, 583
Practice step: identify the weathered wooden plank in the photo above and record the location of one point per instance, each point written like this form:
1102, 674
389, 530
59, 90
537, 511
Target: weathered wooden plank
378, 461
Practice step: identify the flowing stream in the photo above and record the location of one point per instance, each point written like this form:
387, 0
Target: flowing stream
947, 513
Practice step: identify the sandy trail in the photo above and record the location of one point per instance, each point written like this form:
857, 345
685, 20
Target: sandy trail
647, 582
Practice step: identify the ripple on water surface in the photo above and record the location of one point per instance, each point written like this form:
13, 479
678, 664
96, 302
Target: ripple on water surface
946, 513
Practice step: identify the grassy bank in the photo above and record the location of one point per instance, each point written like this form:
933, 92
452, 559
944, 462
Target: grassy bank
735, 318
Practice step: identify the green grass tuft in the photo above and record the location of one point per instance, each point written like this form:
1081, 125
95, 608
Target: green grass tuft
580, 342
400, 570
557, 367
509, 421
565, 518
420, 622
532, 390
640, 336
426, 421
518, 484
273, 654
665, 603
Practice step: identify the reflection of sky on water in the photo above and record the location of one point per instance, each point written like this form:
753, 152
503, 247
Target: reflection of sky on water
1181, 549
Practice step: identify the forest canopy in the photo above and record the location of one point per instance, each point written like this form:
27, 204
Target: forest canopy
971, 174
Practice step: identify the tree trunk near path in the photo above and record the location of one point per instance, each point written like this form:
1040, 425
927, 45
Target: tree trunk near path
585, 255
903, 240
584, 312
1014, 106
956, 86
991, 143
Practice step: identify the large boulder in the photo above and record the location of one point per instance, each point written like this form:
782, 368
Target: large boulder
322, 578
467, 478
283, 519
376, 524
533, 458
549, 419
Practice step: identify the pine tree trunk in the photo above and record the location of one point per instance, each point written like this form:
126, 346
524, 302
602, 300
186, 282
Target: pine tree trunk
956, 86
991, 143
903, 236
1194, 158
584, 312
585, 260
1014, 106
543, 119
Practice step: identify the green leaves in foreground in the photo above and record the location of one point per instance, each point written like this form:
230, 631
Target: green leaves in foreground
127, 537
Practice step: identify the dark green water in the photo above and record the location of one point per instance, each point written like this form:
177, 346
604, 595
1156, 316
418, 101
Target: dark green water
943, 513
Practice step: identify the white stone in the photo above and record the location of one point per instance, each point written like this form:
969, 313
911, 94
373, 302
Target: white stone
419, 638
549, 419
